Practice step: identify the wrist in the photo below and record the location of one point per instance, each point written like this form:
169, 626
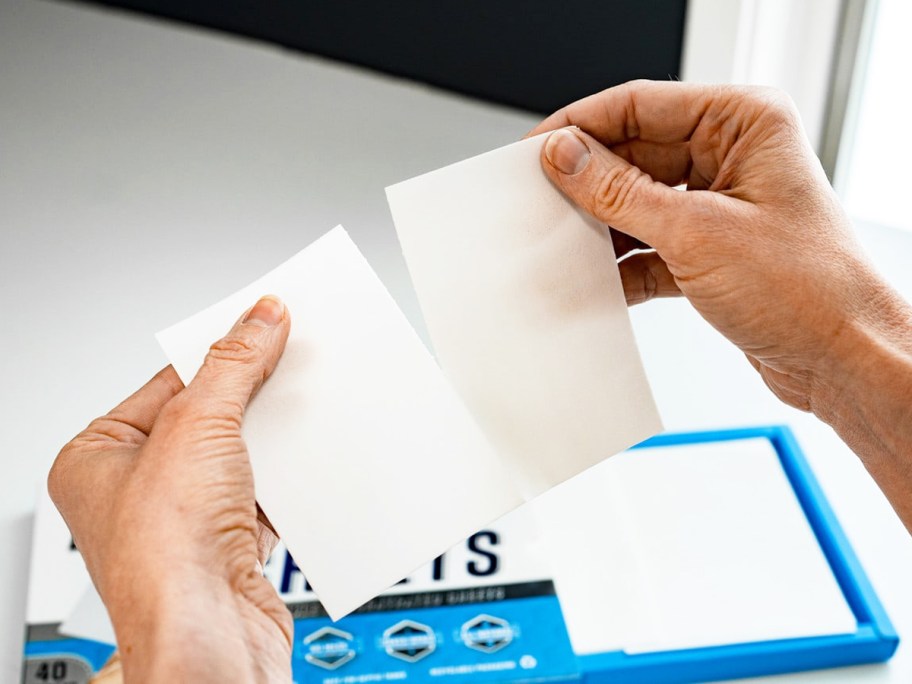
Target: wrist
176, 630
187, 624
864, 391
150, 619
869, 359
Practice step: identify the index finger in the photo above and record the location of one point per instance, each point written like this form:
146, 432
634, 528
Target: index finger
140, 409
652, 111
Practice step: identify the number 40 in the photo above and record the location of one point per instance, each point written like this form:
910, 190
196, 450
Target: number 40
52, 672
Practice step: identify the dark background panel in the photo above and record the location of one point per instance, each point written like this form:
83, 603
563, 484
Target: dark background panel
533, 55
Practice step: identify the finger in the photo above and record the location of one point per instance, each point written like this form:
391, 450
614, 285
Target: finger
667, 163
266, 541
140, 409
624, 244
645, 276
655, 111
263, 520
130, 422
101, 451
614, 191
98, 457
267, 537
238, 364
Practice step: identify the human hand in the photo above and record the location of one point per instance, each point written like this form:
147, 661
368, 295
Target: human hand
159, 498
767, 256
759, 245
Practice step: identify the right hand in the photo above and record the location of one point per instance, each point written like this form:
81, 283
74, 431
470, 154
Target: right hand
760, 244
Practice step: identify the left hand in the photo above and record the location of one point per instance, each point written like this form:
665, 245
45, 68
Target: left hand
159, 497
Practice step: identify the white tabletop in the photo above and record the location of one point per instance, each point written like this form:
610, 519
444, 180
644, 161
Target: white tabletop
147, 169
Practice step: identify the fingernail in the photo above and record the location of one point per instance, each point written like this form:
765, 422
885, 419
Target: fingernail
266, 313
566, 152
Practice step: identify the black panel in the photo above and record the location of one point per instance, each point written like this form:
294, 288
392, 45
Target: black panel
534, 55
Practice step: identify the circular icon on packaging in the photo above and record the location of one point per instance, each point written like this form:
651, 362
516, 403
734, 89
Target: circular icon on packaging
527, 662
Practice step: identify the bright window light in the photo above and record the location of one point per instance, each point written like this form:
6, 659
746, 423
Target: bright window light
875, 179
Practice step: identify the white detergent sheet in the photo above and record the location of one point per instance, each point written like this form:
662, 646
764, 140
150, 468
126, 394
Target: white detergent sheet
686, 547
364, 458
525, 309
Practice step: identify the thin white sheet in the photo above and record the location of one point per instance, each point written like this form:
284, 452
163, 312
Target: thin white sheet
524, 305
364, 458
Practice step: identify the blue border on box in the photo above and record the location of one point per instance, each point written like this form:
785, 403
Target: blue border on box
875, 640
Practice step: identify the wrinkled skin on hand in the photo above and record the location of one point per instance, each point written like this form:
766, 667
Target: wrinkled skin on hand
159, 493
760, 236
159, 497
758, 243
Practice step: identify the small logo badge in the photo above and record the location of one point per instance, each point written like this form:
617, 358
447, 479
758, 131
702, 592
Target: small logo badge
486, 633
409, 641
329, 648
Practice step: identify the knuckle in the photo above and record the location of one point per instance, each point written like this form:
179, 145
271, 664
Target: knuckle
616, 188
184, 424
756, 94
234, 349
780, 107
174, 412
774, 105
112, 428
58, 475
637, 85
193, 413
223, 419
249, 361
54, 479
181, 423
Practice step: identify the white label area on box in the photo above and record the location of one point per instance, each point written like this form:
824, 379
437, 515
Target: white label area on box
688, 546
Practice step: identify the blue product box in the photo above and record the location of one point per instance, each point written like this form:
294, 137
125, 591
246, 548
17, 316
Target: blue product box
874, 641
486, 611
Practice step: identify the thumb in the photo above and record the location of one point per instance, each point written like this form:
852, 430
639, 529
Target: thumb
238, 364
611, 189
